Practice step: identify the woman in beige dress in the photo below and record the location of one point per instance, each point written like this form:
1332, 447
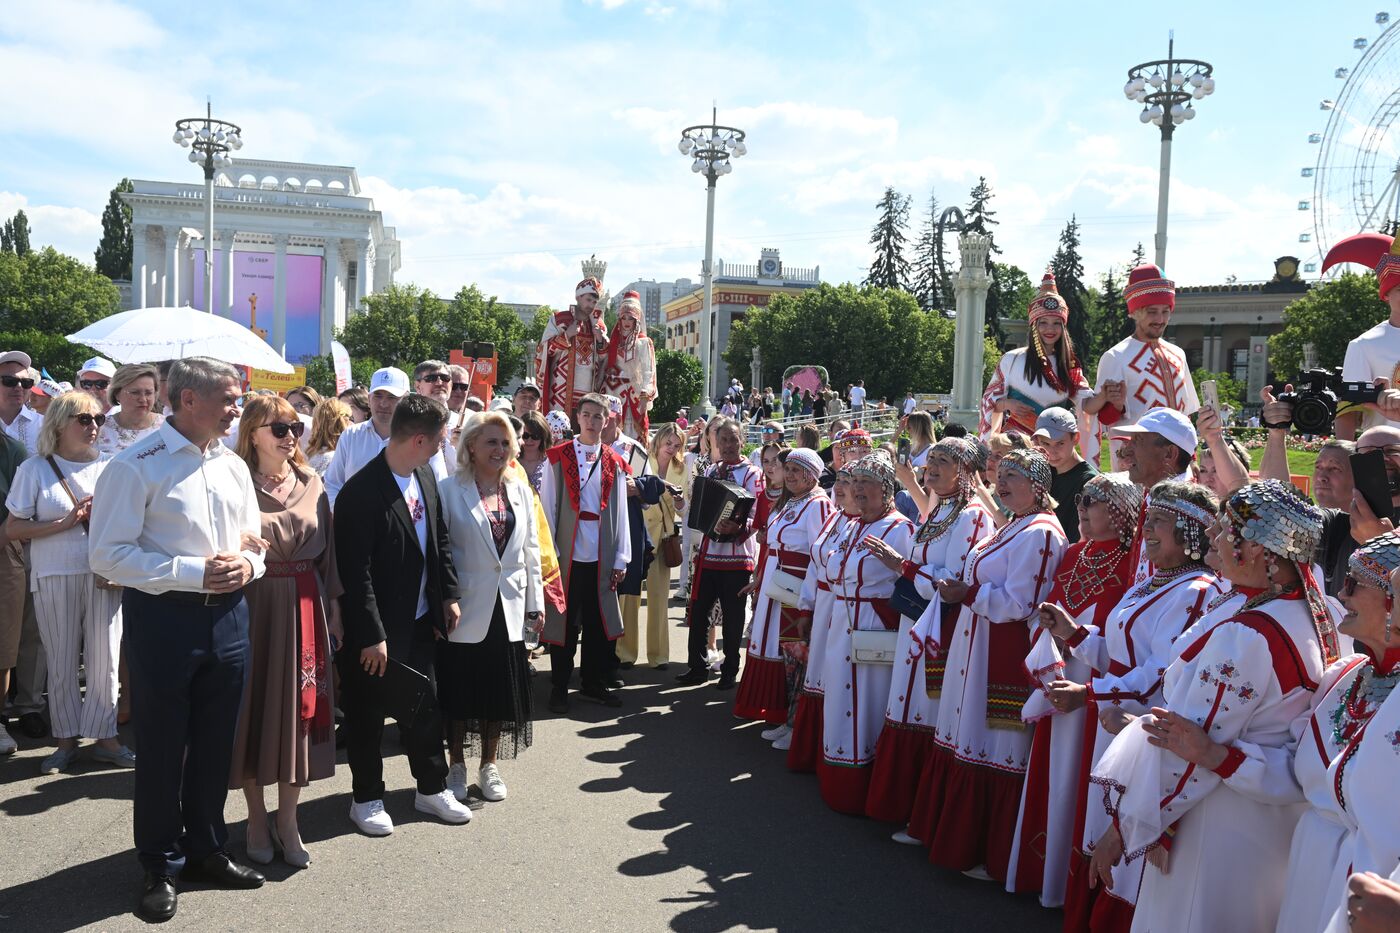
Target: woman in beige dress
286, 731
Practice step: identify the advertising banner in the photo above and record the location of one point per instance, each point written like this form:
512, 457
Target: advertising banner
254, 285
341, 359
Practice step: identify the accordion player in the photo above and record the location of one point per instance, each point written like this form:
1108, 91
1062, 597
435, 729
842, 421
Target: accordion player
714, 500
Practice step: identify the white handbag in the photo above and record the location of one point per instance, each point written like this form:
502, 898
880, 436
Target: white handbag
874, 647
784, 588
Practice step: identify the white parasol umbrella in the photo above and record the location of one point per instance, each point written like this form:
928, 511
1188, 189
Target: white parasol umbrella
149, 335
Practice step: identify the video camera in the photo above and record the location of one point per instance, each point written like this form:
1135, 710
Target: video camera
1315, 397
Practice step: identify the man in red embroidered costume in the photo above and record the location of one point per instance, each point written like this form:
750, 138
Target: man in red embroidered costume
571, 349
584, 493
1144, 371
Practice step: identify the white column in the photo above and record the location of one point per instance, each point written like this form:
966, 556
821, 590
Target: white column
279, 294
183, 293
172, 267
138, 265
328, 285
362, 271
223, 288
969, 346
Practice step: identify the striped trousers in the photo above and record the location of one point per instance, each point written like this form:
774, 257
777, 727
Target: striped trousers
79, 622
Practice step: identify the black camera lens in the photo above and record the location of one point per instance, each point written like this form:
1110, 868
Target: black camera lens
1312, 414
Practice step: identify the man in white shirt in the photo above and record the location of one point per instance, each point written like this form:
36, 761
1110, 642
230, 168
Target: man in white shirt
909, 404
1163, 443
433, 378
175, 520
584, 493
527, 398
858, 401
18, 420
361, 443
94, 377
1375, 353
1144, 371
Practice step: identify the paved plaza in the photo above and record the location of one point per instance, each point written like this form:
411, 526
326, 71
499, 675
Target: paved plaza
666, 815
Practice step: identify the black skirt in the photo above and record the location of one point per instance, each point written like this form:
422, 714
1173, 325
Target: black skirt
487, 685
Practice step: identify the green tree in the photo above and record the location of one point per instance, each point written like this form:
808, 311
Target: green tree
890, 268
1108, 317
1327, 317
19, 233
1230, 389
472, 316
1139, 256
932, 289
1013, 288
320, 372
113, 254
1068, 267
45, 295
679, 382
981, 218
658, 337
534, 331
390, 325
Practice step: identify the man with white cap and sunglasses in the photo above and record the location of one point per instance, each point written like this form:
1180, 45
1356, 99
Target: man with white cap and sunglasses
94, 377
361, 443
1163, 444
17, 419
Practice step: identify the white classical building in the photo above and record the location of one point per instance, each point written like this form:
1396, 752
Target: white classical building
301, 233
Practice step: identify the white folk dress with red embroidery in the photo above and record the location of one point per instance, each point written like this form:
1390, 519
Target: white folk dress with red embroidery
910, 713
1010, 380
1247, 681
1128, 658
1152, 377
853, 710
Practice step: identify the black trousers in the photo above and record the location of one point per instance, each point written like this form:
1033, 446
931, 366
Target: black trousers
362, 701
724, 586
583, 622
188, 665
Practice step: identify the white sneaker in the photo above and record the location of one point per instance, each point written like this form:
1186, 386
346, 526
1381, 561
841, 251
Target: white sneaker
783, 742
903, 838
443, 806
457, 781
7, 744
775, 733
979, 874
715, 659
489, 780
369, 818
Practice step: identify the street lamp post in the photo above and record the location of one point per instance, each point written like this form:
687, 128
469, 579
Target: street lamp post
712, 147
209, 141
1166, 88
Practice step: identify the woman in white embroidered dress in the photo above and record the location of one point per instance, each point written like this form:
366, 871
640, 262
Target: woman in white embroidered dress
970, 791
854, 707
1215, 823
1093, 577
936, 552
1128, 655
135, 412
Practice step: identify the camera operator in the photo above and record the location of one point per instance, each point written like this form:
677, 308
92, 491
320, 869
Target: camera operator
1347, 520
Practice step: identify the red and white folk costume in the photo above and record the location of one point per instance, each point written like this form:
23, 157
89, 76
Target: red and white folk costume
787, 548
1154, 375
1091, 581
970, 791
1246, 681
853, 712
1053, 389
570, 350
629, 367
937, 551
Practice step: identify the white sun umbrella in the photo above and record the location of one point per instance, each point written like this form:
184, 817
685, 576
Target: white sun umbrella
149, 335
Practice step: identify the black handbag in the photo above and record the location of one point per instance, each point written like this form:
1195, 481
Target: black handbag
906, 599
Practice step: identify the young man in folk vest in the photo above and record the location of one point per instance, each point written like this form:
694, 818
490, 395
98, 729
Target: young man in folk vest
584, 493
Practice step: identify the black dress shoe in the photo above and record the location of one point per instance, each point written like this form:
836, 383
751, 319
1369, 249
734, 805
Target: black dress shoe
158, 898
601, 695
614, 683
726, 682
627, 665
220, 870
692, 677
558, 702
32, 725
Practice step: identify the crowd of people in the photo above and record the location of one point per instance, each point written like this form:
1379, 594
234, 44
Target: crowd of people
1143, 695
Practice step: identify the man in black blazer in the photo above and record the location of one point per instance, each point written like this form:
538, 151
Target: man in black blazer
400, 594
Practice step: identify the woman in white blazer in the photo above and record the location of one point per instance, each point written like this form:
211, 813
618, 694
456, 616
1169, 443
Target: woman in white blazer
483, 683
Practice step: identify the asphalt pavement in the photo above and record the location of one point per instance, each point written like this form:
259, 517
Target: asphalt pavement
668, 814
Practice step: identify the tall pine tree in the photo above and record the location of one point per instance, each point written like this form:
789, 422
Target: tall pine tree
7, 239
1068, 267
19, 233
981, 218
1139, 256
1109, 322
932, 283
890, 269
113, 255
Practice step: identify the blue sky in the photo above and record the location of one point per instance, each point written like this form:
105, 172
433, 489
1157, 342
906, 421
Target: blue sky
508, 140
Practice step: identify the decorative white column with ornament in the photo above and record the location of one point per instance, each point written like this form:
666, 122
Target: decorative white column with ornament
969, 341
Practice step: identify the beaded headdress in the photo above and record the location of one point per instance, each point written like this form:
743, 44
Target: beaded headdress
1371, 565
855, 437
1122, 496
1033, 466
1190, 519
877, 466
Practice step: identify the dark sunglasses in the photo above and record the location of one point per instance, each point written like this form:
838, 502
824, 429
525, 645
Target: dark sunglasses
461, 387
10, 382
1088, 497
532, 437
281, 429
94, 383
436, 377
88, 421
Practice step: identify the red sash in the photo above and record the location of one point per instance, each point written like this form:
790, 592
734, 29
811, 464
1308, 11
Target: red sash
313, 681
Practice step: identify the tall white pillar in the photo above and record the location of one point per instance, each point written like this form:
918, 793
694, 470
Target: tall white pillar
184, 292
223, 288
279, 294
138, 265
328, 288
362, 272
172, 268
969, 345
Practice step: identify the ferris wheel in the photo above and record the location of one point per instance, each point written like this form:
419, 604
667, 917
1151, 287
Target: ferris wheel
1356, 179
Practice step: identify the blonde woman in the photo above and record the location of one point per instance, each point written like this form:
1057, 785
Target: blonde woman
667, 462
49, 502
483, 682
331, 418
136, 412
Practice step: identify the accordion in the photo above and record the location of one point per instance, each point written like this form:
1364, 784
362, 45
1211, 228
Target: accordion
714, 500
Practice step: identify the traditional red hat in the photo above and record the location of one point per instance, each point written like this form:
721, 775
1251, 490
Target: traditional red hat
1380, 252
589, 286
1048, 302
1147, 286
631, 304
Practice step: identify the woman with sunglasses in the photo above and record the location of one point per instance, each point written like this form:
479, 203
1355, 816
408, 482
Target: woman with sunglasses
286, 730
535, 442
133, 392
80, 621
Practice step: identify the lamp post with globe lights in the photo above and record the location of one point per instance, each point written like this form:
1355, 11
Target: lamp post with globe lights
210, 141
1166, 89
711, 147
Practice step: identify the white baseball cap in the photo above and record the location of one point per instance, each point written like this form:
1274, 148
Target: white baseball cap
16, 356
391, 379
1168, 422
98, 365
